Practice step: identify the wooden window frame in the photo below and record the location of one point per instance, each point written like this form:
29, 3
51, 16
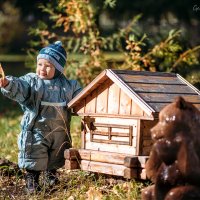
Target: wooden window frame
93, 126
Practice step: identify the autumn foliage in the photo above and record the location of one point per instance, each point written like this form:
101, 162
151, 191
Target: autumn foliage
75, 23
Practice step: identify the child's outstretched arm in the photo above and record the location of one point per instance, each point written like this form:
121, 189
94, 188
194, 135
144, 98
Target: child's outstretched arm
17, 89
3, 82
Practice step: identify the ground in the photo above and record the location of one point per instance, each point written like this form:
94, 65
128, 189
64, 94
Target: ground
74, 185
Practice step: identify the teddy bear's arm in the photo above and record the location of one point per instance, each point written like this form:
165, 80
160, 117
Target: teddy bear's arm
189, 161
153, 164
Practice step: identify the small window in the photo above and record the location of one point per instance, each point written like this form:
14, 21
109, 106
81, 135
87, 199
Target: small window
111, 133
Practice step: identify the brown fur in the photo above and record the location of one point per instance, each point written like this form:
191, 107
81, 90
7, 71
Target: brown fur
174, 161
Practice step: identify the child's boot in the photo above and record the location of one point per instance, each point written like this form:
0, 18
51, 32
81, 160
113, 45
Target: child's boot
32, 181
50, 178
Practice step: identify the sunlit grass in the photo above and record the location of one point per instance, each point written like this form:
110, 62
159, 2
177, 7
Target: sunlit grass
76, 131
10, 128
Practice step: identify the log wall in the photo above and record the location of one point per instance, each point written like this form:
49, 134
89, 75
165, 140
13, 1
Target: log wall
111, 163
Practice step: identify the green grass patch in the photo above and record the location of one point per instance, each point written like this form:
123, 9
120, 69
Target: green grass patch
10, 117
10, 128
76, 131
116, 56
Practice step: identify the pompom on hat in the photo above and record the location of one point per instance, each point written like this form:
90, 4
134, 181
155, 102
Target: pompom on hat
54, 53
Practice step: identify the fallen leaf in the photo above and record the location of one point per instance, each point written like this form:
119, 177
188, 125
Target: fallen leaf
94, 194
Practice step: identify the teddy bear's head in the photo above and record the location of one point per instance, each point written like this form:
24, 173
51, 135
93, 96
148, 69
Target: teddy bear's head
179, 117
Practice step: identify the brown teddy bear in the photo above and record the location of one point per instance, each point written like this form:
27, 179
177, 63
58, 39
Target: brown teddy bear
174, 161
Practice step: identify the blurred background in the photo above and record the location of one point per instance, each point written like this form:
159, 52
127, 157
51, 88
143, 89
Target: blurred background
17, 16
137, 35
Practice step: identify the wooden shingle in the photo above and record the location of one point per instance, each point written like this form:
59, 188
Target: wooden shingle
150, 90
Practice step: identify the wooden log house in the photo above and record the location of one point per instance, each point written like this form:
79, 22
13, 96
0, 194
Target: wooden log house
118, 109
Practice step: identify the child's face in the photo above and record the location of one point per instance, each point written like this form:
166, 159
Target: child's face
45, 70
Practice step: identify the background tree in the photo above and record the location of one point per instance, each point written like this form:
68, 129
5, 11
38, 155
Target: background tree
15, 18
10, 26
76, 25
158, 17
148, 41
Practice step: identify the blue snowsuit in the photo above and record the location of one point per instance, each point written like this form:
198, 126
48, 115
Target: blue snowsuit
46, 121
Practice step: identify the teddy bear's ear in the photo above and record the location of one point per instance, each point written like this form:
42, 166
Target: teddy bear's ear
180, 103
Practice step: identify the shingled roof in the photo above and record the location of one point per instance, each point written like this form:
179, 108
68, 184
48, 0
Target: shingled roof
150, 90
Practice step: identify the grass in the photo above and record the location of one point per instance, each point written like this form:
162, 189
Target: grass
10, 128
116, 56
79, 185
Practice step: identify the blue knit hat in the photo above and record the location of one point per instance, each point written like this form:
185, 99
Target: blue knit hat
54, 53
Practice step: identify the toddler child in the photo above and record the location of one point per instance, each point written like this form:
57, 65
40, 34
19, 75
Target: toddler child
45, 126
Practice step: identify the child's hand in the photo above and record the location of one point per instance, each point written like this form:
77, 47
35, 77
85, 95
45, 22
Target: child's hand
4, 82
